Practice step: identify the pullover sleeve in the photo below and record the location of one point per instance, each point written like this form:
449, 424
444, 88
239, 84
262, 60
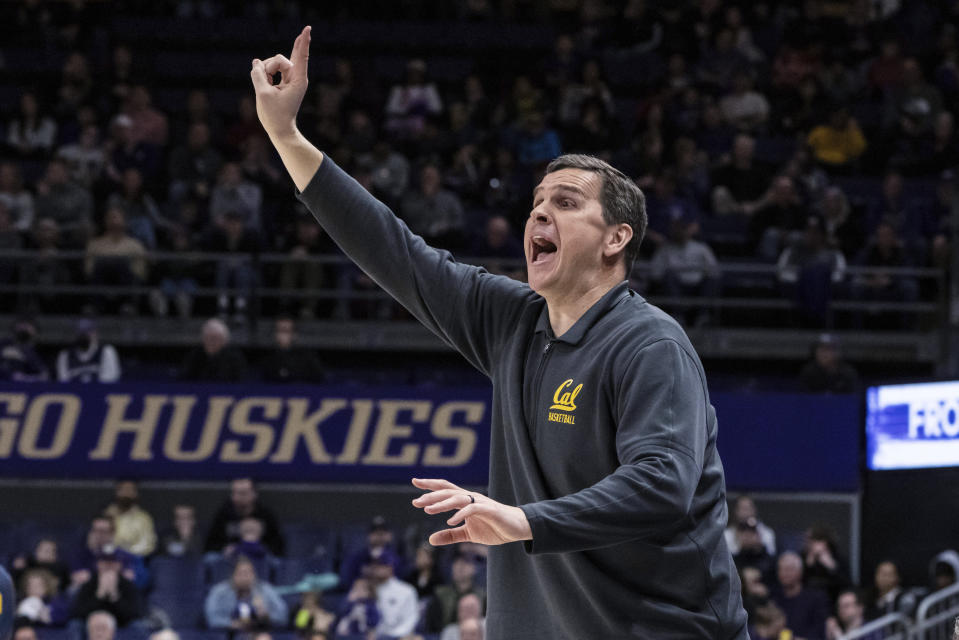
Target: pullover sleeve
662, 412
470, 309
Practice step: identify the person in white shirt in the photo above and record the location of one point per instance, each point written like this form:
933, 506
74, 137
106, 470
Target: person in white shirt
683, 266
743, 509
87, 360
396, 600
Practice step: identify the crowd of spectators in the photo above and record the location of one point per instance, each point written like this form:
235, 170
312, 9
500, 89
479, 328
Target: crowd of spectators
812, 136
247, 574
381, 585
807, 592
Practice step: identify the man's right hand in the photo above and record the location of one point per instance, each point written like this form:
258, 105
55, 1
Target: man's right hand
277, 105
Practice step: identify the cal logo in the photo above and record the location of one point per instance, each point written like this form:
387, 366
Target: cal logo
564, 403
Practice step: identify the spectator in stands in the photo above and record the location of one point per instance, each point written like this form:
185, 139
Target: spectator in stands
234, 194
778, 219
182, 538
664, 207
11, 240
721, 61
590, 89
39, 602
412, 102
45, 556
754, 589
684, 266
124, 152
31, 133
425, 574
135, 532
18, 200
943, 151
893, 206
469, 609
108, 590
744, 108
844, 229
24, 632
914, 103
944, 569
19, 360
752, 552
87, 359
116, 259
215, 360
100, 536
743, 510
244, 502
824, 568
194, 166
433, 212
311, 620
236, 274
198, 110
389, 170
837, 144
769, 623
287, 362
165, 634
76, 85
395, 599
850, 615
886, 70
826, 371
810, 271
244, 602
886, 250
149, 124
887, 595
101, 625
140, 210
594, 133
246, 125
536, 143
85, 158
301, 271
499, 242
442, 610
740, 182
66, 202
178, 278
358, 613
806, 609
379, 540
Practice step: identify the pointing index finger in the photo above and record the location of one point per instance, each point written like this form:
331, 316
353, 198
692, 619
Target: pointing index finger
300, 55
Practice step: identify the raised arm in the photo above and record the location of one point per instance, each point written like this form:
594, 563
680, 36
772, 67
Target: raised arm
470, 309
278, 104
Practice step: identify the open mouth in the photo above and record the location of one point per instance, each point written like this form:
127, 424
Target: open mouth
542, 249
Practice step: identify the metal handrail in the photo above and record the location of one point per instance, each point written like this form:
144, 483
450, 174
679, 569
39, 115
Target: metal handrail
880, 627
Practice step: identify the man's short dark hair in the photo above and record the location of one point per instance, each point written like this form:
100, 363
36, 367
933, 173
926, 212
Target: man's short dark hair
621, 199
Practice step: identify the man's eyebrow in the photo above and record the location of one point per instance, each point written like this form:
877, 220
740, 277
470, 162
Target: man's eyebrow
563, 187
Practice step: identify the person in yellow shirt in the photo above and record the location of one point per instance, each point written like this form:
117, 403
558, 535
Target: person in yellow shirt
838, 143
134, 526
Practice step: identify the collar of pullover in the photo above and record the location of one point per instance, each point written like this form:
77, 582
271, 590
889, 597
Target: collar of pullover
575, 333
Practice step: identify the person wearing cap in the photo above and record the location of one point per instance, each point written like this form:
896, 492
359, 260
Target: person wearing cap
19, 360
87, 359
396, 600
108, 590
826, 371
379, 541
606, 501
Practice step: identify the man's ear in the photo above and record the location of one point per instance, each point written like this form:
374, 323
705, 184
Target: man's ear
617, 237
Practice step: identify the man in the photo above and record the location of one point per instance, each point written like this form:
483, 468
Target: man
101, 625
443, 609
215, 360
108, 590
806, 609
243, 503
744, 510
26, 632
827, 371
602, 430
287, 363
19, 360
379, 540
87, 360
135, 531
396, 600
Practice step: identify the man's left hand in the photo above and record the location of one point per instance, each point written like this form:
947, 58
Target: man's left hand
483, 520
